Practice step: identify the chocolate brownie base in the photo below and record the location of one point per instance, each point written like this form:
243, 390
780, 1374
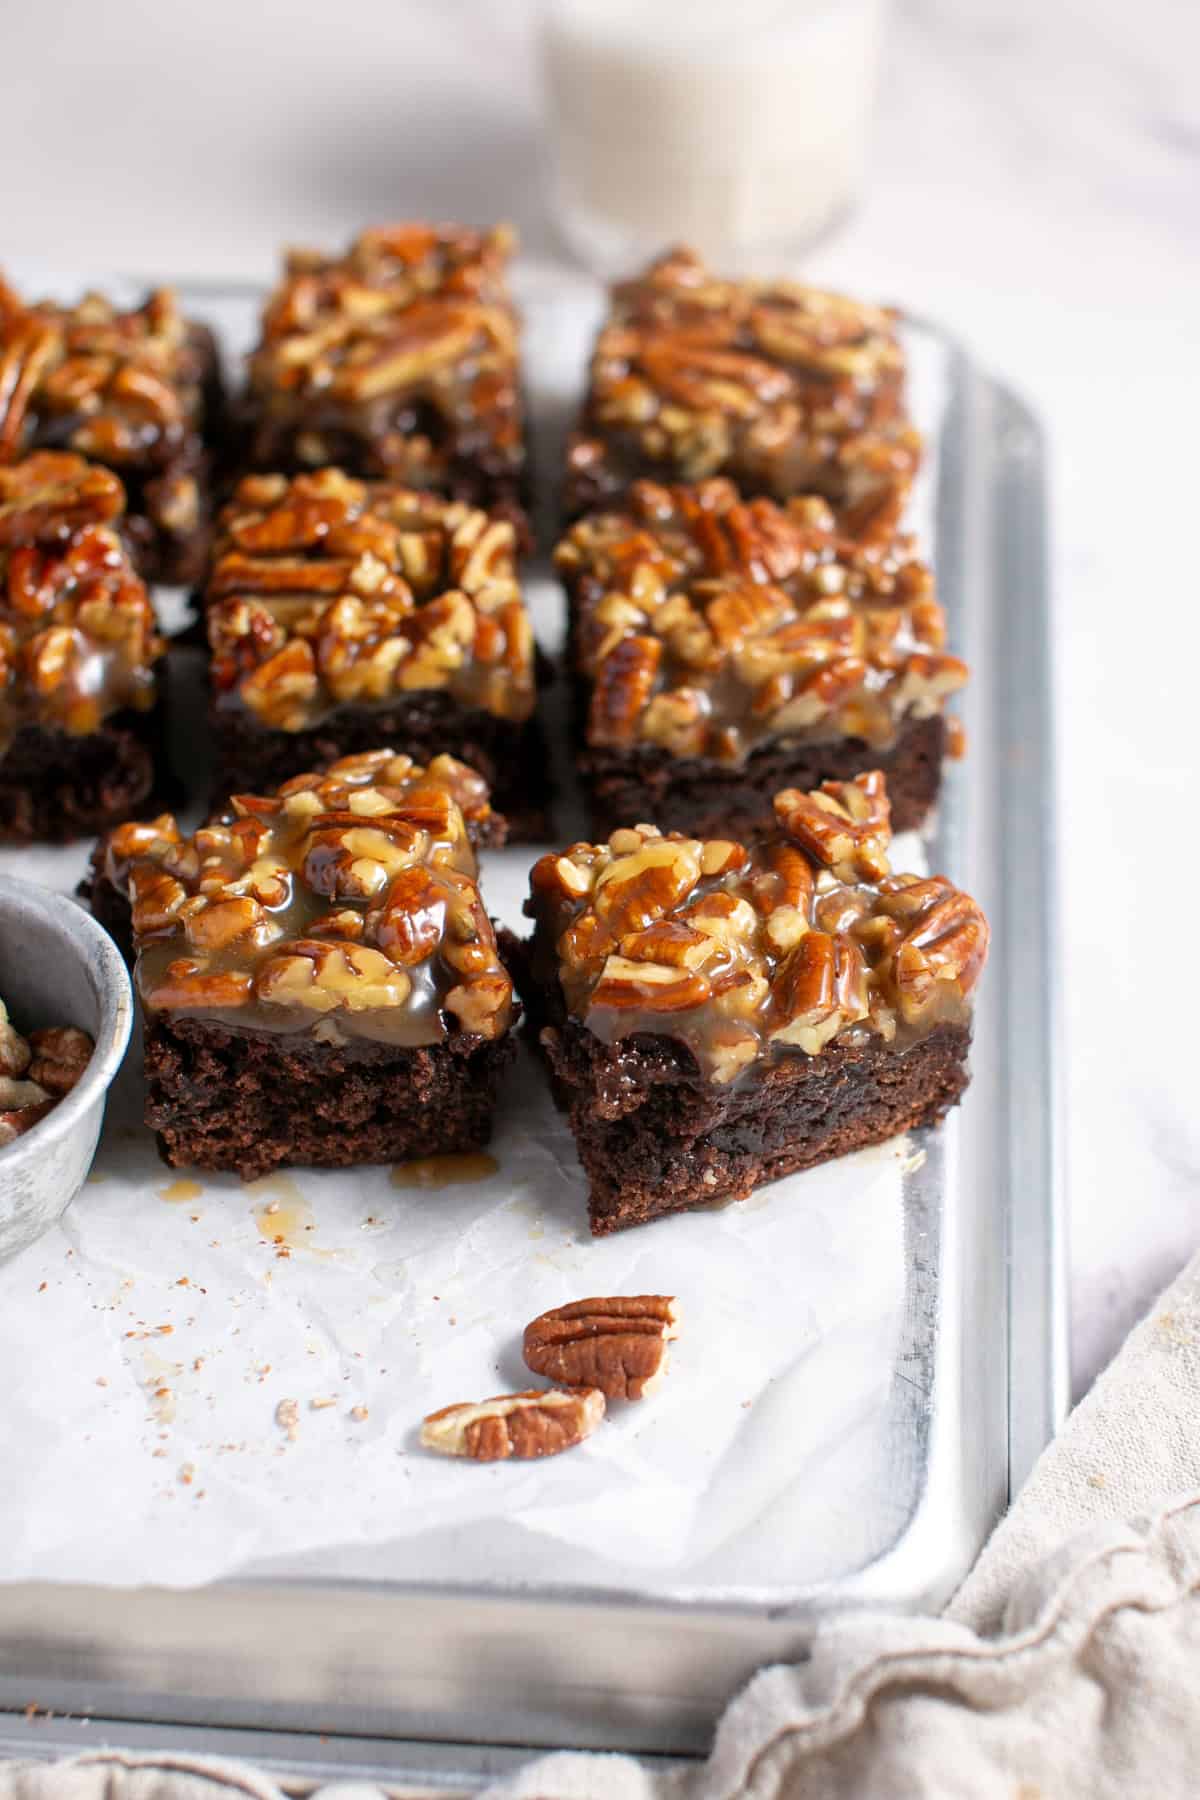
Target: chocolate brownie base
710, 799
250, 1102
654, 1137
55, 787
512, 758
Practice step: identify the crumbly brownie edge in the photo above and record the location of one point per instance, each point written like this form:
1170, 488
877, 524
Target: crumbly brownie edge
654, 1138
710, 799
512, 758
55, 787
250, 1102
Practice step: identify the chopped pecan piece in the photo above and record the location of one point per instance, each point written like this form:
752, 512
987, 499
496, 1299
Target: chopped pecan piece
618, 1345
844, 825
15, 1054
530, 1424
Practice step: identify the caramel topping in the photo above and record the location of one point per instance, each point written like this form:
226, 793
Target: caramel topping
123, 386
744, 954
77, 629
398, 358
786, 388
707, 624
345, 905
330, 592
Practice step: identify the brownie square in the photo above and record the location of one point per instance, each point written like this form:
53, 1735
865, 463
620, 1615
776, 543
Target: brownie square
784, 388
80, 725
319, 979
344, 615
397, 360
722, 649
446, 798
137, 389
716, 1016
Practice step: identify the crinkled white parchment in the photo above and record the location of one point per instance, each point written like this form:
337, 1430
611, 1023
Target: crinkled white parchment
148, 1342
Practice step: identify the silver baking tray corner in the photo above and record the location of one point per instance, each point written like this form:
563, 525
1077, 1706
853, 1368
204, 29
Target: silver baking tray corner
450, 1682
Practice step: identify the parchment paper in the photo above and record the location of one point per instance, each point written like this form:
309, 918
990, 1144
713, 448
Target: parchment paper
148, 1345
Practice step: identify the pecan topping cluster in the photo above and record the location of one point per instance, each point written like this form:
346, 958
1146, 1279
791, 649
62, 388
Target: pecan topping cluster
37, 1072
707, 624
77, 629
398, 359
744, 953
123, 386
327, 591
345, 903
785, 388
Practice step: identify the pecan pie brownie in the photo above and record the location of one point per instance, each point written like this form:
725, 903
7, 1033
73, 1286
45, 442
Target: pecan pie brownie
397, 360
346, 614
79, 654
137, 389
722, 649
715, 1016
784, 388
319, 978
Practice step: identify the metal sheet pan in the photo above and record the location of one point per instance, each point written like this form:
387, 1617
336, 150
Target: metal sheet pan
978, 1381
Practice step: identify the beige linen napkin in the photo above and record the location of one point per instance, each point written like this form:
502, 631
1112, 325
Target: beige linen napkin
1067, 1664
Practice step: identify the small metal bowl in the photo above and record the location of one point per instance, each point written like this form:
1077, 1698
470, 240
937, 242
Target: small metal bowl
57, 967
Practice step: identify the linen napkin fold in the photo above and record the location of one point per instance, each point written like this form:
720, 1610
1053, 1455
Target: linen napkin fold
1067, 1663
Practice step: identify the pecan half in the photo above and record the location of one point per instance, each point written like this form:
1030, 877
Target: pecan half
61, 1053
618, 1345
525, 1425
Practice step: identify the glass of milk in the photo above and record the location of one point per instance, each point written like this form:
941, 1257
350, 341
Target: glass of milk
736, 126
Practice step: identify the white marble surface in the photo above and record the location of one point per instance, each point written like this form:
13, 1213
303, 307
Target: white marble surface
1036, 185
